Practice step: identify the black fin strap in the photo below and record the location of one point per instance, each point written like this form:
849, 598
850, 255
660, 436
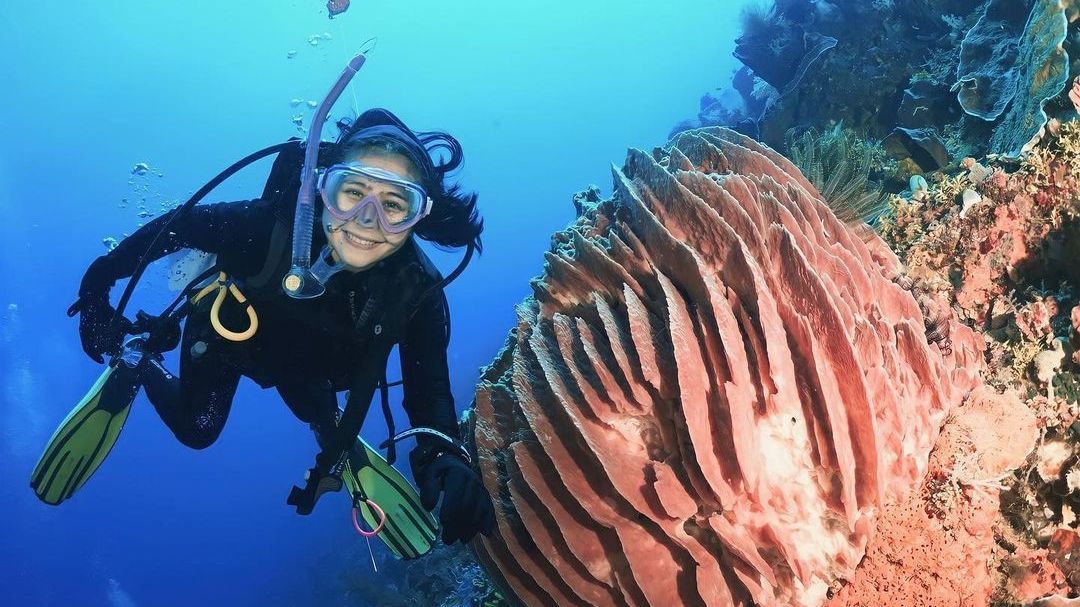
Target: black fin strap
384, 394
340, 441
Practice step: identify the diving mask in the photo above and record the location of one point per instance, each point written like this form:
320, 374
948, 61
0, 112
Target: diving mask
369, 195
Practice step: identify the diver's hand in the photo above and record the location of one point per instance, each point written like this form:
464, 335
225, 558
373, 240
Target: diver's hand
466, 505
96, 313
96, 332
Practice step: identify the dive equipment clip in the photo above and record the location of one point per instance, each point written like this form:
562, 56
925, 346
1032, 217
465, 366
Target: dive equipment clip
225, 285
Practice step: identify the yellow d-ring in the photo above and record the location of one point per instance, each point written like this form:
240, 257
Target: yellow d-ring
223, 285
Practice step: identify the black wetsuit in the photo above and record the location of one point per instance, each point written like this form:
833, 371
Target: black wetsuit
307, 349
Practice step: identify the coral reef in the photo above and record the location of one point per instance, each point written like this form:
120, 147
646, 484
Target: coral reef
1006, 264
1002, 255
714, 390
447, 577
973, 103
1041, 76
986, 76
933, 80
943, 545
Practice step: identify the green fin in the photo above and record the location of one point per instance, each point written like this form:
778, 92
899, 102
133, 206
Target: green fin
86, 436
410, 531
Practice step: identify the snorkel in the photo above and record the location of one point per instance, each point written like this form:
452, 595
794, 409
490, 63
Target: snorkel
304, 280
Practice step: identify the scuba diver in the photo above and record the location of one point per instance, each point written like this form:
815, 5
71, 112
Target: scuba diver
310, 330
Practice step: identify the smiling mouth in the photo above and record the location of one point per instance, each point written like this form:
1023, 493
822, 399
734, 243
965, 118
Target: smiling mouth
361, 243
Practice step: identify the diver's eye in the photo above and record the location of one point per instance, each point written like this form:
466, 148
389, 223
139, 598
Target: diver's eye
390, 205
354, 193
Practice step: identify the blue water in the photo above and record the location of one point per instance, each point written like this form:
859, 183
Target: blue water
544, 97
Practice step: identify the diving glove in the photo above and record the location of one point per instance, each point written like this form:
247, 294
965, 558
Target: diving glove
466, 506
97, 332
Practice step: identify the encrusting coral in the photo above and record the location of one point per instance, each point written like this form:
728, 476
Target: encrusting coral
1007, 266
1005, 260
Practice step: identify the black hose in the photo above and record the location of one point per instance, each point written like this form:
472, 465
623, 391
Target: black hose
144, 261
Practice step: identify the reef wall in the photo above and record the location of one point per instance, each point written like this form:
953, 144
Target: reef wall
933, 81
712, 391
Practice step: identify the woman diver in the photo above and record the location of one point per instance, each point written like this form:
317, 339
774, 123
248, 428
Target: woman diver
381, 189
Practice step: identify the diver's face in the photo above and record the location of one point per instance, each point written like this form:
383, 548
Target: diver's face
361, 243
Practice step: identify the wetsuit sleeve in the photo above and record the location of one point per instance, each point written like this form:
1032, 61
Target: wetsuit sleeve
231, 229
424, 372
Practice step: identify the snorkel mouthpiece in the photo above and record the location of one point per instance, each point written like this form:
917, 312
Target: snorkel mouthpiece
301, 282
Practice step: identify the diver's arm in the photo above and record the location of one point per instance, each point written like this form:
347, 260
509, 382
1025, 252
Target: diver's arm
444, 474
424, 372
227, 227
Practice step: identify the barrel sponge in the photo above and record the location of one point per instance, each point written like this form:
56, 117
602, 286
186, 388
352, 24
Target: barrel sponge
713, 388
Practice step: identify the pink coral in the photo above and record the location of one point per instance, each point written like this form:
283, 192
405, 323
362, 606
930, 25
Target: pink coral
995, 252
1065, 553
1074, 320
715, 387
999, 179
1033, 319
1023, 232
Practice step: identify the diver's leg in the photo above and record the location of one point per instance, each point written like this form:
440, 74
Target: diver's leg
196, 404
162, 387
312, 402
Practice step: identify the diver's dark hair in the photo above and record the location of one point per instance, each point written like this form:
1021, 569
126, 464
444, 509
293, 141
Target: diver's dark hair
454, 220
